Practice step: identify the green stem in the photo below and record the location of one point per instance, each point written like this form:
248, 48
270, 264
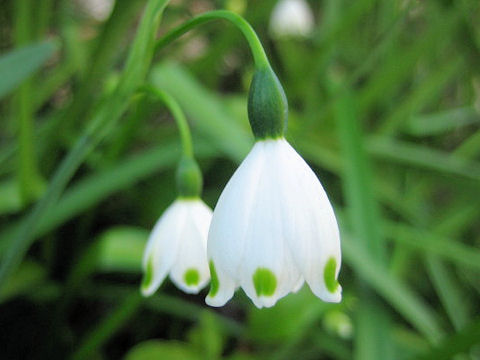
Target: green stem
178, 115
28, 175
256, 47
189, 176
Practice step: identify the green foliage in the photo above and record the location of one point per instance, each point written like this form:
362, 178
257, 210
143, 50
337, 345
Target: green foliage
383, 104
19, 64
154, 349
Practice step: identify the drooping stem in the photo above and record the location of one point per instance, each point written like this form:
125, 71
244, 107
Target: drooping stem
178, 115
189, 176
267, 103
259, 56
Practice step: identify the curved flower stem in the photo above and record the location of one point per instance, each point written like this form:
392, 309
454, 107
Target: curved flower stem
256, 47
189, 176
178, 115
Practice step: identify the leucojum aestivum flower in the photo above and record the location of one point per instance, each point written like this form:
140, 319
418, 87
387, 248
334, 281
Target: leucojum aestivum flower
273, 228
177, 244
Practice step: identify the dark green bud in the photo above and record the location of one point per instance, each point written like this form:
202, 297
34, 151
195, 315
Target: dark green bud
189, 178
267, 105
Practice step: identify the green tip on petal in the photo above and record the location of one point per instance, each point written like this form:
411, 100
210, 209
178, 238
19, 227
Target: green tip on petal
148, 276
265, 282
329, 275
191, 277
214, 284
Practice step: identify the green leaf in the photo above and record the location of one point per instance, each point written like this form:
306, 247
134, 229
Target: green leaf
155, 349
397, 293
457, 343
442, 122
423, 157
10, 199
107, 327
29, 275
17, 65
207, 337
121, 249
291, 315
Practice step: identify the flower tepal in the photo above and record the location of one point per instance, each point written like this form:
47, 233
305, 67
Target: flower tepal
177, 246
273, 227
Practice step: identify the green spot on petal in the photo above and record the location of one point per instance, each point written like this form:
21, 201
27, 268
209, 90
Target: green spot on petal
265, 282
214, 284
148, 276
329, 275
191, 277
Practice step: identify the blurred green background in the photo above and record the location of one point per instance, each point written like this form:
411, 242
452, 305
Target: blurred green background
384, 102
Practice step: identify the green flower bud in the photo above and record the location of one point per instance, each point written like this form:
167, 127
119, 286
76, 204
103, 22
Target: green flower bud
267, 105
189, 178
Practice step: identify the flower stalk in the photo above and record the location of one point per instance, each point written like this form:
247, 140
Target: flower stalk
189, 176
259, 56
267, 103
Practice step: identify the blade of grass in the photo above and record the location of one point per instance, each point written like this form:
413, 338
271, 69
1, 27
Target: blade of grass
30, 182
17, 65
458, 343
396, 293
107, 44
99, 186
393, 73
448, 290
424, 158
460, 254
108, 327
371, 341
420, 97
442, 122
165, 304
107, 115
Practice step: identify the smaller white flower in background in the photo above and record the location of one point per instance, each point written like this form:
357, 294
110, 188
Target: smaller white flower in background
272, 229
291, 18
177, 246
99, 10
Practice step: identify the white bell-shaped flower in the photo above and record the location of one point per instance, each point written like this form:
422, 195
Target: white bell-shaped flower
177, 246
272, 229
291, 18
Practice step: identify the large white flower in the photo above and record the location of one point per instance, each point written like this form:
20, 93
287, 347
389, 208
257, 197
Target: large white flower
272, 229
177, 245
291, 18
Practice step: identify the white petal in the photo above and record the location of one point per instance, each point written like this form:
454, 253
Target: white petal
190, 270
267, 259
226, 237
312, 229
298, 285
222, 287
162, 247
